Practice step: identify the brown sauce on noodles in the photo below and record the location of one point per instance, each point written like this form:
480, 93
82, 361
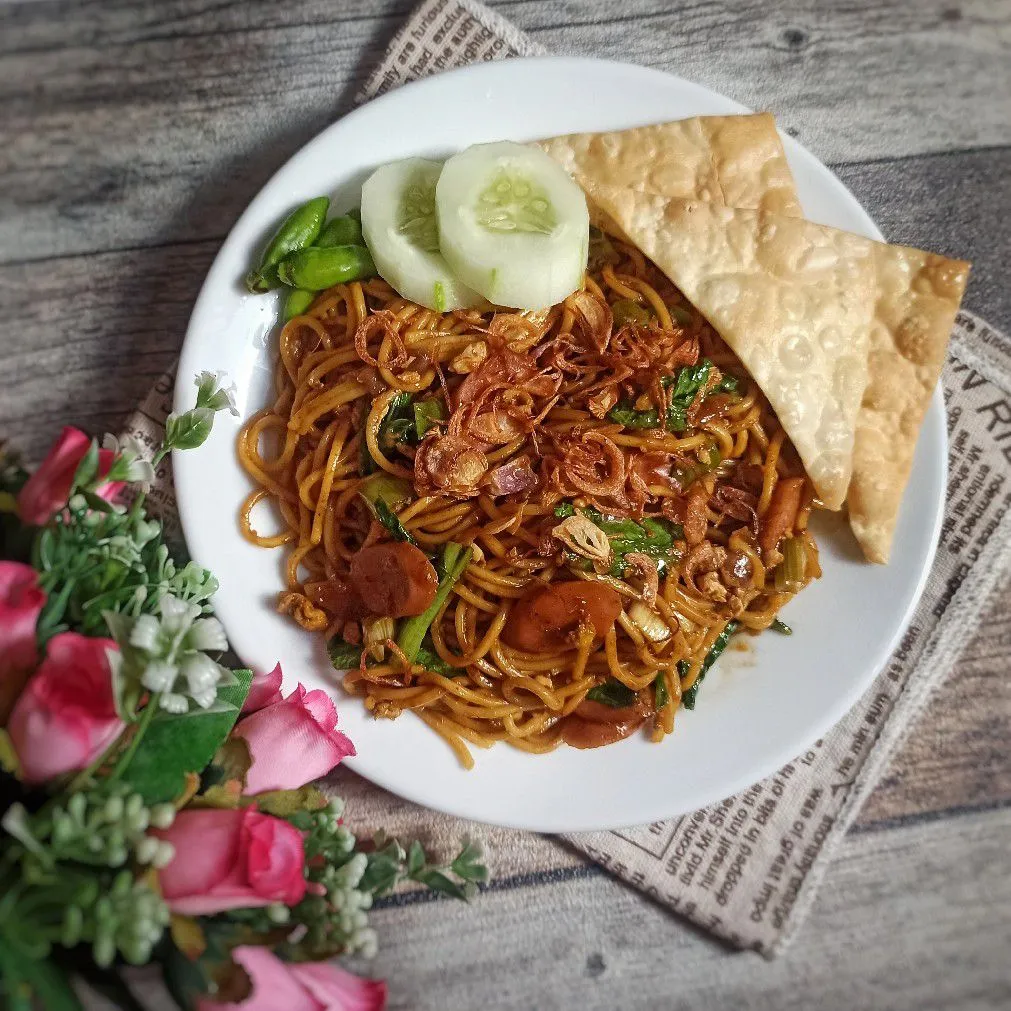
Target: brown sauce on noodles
542, 415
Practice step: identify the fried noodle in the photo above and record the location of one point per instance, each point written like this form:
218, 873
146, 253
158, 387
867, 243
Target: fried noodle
529, 424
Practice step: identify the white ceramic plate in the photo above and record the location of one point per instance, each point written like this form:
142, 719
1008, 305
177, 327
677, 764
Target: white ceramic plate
759, 708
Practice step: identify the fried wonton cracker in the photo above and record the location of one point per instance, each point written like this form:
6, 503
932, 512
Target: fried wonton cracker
917, 298
792, 299
737, 161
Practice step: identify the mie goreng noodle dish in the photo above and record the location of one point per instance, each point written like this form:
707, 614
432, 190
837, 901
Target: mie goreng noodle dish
538, 526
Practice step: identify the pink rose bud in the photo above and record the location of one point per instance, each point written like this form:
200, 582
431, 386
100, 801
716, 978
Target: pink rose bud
264, 691
231, 860
66, 716
47, 490
293, 742
302, 986
21, 600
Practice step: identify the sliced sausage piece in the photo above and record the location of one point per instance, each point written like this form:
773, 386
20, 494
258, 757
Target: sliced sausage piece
395, 580
582, 733
782, 513
548, 616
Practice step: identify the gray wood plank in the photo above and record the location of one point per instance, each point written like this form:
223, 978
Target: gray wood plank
119, 119
909, 919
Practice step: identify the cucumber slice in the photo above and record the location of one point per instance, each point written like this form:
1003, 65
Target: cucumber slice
512, 224
400, 229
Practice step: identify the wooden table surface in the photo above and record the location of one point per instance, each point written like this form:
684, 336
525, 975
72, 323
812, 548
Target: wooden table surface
132, 134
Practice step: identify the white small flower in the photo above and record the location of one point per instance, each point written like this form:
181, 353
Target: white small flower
207, 633
145, 633
173, 703
204, 697
213, 394
159, 676
200, 671
177, 615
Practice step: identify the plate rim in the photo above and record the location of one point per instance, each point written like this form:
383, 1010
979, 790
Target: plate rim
934, 417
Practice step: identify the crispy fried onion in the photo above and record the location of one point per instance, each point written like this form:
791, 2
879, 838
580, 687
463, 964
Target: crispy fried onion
379, 325
593, 319
450, 465
736, 503
512, 478
584, 538
590, 463
718, 574
642, 570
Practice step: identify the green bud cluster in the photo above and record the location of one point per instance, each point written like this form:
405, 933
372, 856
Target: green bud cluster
102, 827
130, 918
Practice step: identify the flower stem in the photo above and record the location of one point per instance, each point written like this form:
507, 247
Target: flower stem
150, 711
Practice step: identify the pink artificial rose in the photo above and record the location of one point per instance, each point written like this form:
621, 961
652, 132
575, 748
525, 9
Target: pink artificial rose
300, 986
21, 600
264, 691
47, 490
293, 742
231, 860
66, 716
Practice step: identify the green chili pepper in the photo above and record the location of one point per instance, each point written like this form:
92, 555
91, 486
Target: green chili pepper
296, 302
315, 269
342, 231
300, 229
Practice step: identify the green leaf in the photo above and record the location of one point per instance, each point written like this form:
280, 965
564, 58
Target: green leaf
189, 430
391, 521
415, 858
612, 693
430, 660
176, 745
426, 414
660, 694
381, 874
437, 881
565, 509
624, 413
25, 978
468, 864
690, 697
344, 655
285, 803
781, 627
185, 980
87, 469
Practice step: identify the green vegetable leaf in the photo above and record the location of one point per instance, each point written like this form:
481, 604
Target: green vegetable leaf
781, 627
728, 384
691, 696
612, 693
624, 413
651, 536
430, 660
344, 655
412, 631
397, 424
389, 519
684, 387
175, 745
394, 491
564, 509
660, 694
426, 414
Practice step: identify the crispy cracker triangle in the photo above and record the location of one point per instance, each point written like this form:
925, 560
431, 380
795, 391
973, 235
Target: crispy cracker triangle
737, 161
917, 298
791, 298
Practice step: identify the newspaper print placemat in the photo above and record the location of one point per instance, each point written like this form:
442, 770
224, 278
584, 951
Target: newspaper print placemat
747, 869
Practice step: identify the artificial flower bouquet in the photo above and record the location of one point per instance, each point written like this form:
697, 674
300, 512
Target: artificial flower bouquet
156, 805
